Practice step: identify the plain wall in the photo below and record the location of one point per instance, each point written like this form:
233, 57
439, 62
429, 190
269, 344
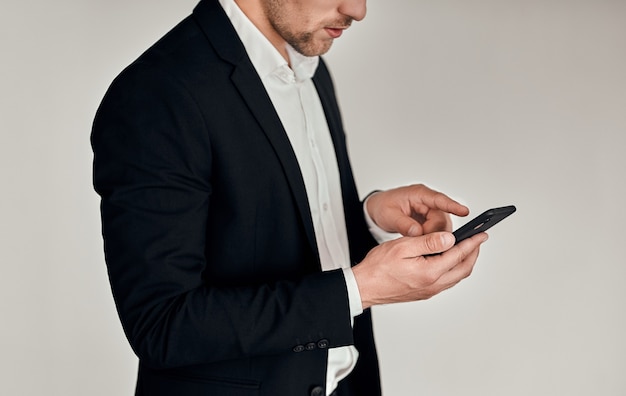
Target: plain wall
494, 102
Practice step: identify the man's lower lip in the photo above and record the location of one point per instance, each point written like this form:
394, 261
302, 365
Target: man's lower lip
334, 33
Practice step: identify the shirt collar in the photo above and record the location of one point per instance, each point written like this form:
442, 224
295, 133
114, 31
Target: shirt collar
263, 55
303, 66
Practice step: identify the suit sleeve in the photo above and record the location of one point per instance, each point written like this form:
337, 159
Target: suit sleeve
152, 169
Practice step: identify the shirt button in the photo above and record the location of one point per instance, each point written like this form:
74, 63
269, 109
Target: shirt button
325, 206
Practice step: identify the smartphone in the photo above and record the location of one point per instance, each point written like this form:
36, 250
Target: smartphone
483, 222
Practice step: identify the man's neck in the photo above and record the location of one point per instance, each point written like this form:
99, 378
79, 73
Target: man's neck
254, 11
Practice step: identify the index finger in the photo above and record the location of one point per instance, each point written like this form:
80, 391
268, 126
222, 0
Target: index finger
423, 199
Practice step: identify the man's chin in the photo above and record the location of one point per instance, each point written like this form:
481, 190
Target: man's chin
310, 49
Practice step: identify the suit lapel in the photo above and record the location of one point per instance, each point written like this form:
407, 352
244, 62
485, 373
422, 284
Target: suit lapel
252, 90
224, 39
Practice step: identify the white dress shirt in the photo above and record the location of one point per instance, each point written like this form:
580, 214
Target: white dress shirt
298, 106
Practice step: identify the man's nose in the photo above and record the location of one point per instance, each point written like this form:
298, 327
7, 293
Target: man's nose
355, 9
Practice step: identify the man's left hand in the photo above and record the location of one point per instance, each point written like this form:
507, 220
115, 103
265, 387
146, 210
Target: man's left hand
413, 210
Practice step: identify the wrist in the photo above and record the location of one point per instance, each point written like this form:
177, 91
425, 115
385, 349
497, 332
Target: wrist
360, 278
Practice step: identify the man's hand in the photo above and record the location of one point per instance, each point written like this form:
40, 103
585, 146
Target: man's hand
398, 271
413, 210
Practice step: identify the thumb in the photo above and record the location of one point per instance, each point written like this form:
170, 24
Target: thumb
408, 226
436, 242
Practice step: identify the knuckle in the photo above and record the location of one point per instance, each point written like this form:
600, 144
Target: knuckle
417, 188
433, 243
395, 246
398, 248
429, 279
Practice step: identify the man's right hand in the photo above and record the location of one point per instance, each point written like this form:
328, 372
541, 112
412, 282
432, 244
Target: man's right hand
405, 269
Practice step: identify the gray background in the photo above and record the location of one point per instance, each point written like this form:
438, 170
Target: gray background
494, 102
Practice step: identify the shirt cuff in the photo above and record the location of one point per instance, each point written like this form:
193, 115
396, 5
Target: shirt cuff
354, 296
378, 233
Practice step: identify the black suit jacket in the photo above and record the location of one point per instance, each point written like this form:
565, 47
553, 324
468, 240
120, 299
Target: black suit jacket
209, 242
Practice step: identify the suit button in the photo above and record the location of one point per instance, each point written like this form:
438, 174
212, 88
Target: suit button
322, 344
298, 348
317, 391
310, 346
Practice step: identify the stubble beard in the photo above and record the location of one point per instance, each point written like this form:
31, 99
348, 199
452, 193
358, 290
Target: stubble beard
303, 42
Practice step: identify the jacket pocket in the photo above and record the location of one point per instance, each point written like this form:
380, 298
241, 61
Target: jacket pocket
156, 384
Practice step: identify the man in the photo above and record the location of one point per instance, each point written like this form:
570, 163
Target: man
231, 218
